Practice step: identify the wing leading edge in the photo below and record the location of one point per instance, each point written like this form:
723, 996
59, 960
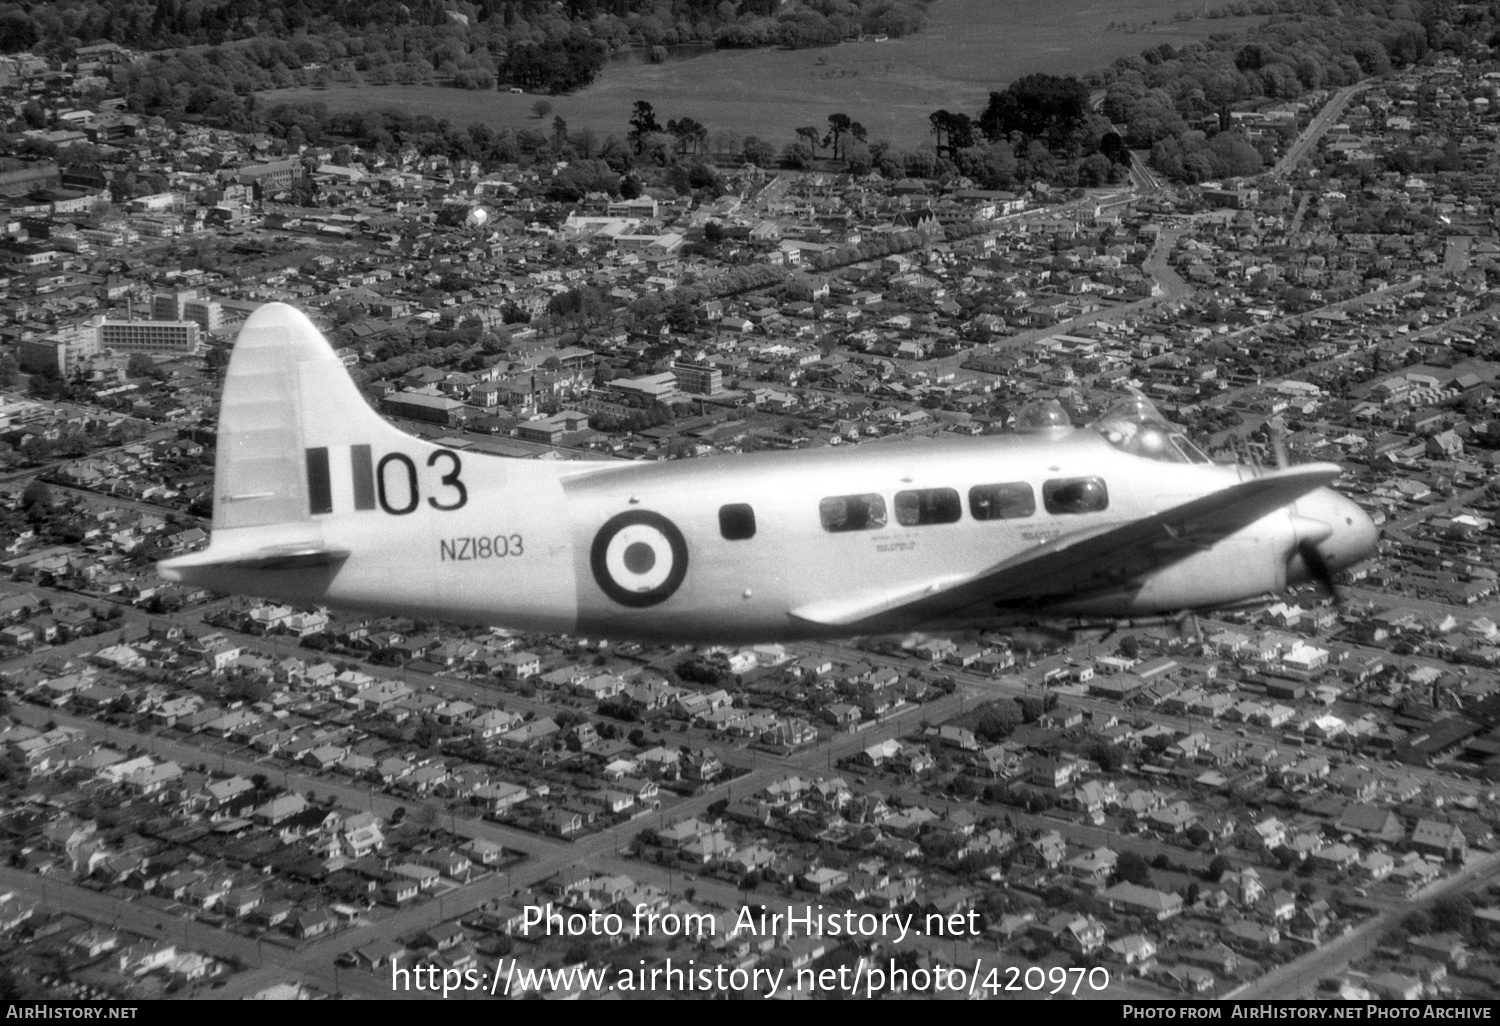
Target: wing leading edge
1100, 559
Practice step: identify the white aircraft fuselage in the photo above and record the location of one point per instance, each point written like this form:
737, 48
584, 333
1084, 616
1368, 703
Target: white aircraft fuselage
318, 501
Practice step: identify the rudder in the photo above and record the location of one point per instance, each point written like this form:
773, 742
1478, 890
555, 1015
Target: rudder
286, 394
288, 403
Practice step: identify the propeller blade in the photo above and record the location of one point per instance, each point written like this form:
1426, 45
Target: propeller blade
1318, 567
1278, 446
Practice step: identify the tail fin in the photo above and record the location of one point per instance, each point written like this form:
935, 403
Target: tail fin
287, 399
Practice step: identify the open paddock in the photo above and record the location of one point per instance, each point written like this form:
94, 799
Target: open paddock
970, 48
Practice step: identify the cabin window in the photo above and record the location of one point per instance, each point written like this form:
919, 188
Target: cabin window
1075, 495
928, 506
737, 521
1002, 501
852, 513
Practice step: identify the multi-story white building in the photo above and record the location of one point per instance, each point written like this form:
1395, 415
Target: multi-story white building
148, 336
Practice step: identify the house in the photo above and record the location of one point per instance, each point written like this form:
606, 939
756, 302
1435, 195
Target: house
1046, 851
398, 891
1435, 837
1251, 936
1093, 867
1393, 986
1140, 900
1372, 823
1079, 934
1448, 948
314, 923
1135, 951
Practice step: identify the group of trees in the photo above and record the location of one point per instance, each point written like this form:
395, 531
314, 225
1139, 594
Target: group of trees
819, 24
402, 364
1039, 128
253, 45
1176, 101
556, 65
1173, 101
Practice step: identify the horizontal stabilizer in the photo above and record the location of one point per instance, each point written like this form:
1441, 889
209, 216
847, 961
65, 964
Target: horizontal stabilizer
276, 558
254, 549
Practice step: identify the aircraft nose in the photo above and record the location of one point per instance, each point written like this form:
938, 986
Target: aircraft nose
1354, 535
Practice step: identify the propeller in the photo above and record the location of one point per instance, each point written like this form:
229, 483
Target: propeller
1188, 628
1278, 447
1317, 566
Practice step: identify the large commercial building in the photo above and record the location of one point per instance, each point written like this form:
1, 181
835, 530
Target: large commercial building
148, 336
37, 356
187, 305
29, 179
660, 388
435, 409
270, 177
699, 378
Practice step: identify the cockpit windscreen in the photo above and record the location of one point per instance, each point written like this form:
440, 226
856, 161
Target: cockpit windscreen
1135, 426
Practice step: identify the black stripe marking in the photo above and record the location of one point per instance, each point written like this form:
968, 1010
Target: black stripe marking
319, 487
364, 476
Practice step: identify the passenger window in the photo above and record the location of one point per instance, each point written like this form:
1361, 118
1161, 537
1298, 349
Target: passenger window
1075, 495
928, 506
852, 513
1002, 501
737, 521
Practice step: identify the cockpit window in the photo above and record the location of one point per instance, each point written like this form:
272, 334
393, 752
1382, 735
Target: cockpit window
1041, 416
1135, 426
928, 506
1002, 501
852, 513
1075, 495
1188, 449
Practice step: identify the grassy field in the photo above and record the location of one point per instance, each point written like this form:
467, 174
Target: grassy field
970, 48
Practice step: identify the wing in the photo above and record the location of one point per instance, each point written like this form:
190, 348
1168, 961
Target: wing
1104, 558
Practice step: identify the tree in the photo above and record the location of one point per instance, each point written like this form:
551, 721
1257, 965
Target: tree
1132, 868
1452, 912
997, 720
797, 156
1095, 171
952, 132
1417, 923
1038, 106
758, 152
857, 158
1106, 756
642, 123
838, 127
809, 133
37, 498
688, 132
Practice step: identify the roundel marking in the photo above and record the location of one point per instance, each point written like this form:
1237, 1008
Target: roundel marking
639, 558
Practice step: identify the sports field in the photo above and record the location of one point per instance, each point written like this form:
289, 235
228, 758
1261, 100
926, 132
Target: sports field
969, 48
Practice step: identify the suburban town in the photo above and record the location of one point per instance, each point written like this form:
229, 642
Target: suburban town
217, 797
